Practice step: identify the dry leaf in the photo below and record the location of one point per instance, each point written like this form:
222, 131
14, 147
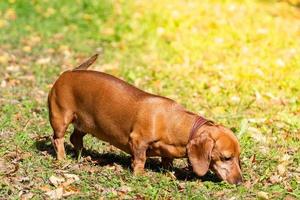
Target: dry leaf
262, 195
232, 198
257, 135
181, 186
27, 49
25, 155
289, 197
275, 179
43, 61
3, 23
220, 193
55, 194
56, 181
171, 175
281, 169
235, 99
4, 59
3, 84
72, 176
248, 184
258, 98
253, 158
10, 14
5, 166
288, 187
26, 196
125, 189
285, 158
13, 68
23, 179
44, 188
116, 168
70, 190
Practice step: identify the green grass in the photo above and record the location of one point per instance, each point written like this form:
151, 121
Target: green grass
237, 62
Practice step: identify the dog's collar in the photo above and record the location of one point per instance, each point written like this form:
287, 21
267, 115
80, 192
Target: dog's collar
200, 121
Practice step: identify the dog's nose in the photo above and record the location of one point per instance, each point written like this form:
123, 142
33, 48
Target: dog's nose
239, 181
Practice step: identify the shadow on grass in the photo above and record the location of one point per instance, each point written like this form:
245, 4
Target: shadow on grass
44, 144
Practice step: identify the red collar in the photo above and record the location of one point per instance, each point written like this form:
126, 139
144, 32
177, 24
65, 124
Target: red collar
200, 121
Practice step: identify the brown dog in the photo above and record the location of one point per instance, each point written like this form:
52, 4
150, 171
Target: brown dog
138, 123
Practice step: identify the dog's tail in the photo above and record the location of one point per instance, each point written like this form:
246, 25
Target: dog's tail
87, 63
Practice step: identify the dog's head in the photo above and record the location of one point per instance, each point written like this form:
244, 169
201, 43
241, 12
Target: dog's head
216, 148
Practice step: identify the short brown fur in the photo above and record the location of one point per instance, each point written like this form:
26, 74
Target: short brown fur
138, 123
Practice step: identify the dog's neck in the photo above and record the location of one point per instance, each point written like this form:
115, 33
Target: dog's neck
181, 130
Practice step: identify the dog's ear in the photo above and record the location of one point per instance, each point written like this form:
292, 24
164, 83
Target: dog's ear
199, 153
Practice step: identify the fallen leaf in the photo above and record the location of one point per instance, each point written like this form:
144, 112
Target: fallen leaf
13, 68
23, 179
72, 176
88, 159
258, 98
220, 194
56, 181
253, 158
248, 184
26, 49
116, 168
275, 179
257, 135
55, 194
26, 155
215, 89
280, 63
45, 188
235, 99
125, 189
16, 168
181, 186
232, 198
10, 14
26, 196
43, 61
44, 153
70, 190
4, 166
3, 84
289, 197
4, 59
288, 187
262, 195
3, 23
281, 169
285, 158
139, 197
171, 175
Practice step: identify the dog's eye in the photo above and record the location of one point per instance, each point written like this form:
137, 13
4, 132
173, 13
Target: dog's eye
226, 158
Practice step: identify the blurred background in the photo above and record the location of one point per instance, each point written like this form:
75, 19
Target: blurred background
237, 62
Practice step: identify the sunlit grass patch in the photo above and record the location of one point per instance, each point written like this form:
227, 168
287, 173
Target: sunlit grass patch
236, 62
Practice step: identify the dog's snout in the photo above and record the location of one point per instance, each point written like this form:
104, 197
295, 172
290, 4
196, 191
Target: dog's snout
238, 181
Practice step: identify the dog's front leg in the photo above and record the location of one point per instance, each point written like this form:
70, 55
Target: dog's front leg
138, 153
77, 141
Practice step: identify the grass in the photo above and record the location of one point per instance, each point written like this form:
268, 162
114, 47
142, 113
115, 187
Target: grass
236, 62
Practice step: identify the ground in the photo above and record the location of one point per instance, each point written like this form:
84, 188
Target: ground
236, 62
